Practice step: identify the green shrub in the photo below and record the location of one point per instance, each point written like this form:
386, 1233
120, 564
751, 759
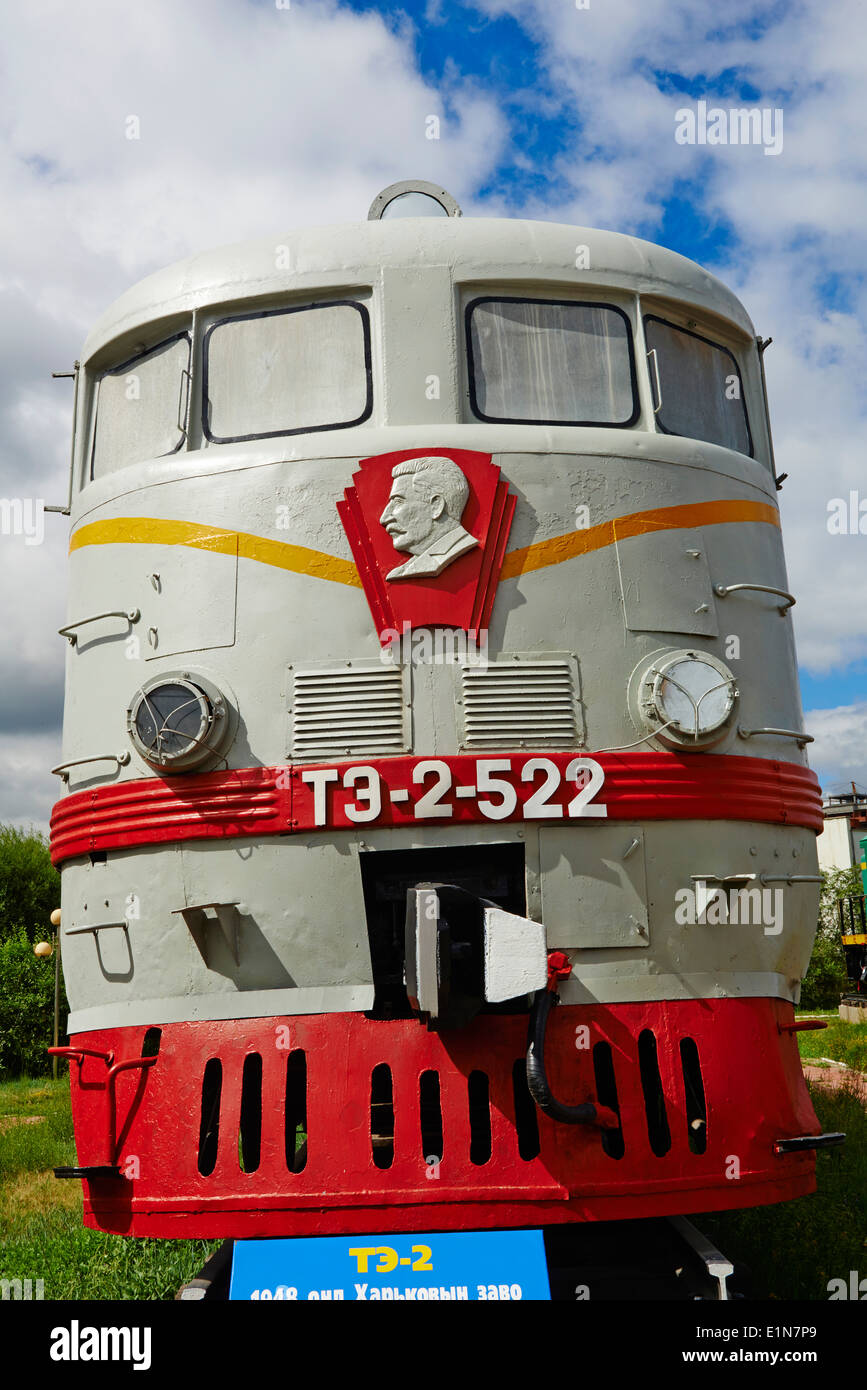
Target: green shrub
826, 978
26, 1007
29, 883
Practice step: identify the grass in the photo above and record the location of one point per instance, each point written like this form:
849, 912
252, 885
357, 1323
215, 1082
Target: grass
76, 1263
843, 1042
46, 1137
41, 1231
792, 1250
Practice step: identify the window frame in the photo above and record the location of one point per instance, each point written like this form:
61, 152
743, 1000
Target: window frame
118, 371
720, 347
473, 303
273, 313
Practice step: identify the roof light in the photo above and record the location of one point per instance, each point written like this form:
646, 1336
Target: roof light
413, 198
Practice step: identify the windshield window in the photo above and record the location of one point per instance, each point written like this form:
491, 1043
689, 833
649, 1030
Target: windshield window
139, 405
287, 371
546, 361
700, 386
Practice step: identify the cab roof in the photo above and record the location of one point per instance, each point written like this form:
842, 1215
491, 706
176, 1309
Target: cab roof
491, 251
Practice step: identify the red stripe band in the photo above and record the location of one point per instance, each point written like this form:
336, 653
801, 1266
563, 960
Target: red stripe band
469, 788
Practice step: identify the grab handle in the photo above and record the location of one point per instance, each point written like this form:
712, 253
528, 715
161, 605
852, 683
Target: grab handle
132, 615
652, 353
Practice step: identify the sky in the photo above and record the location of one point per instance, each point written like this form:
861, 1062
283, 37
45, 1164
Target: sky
256, 115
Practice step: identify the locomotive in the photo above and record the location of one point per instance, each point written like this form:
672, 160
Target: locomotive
437, 838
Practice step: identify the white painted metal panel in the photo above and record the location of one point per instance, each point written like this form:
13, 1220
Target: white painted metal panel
665, 583
594, 886
190, 605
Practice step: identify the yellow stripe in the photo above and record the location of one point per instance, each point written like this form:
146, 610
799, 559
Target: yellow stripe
559, 548
125, 530
854, 940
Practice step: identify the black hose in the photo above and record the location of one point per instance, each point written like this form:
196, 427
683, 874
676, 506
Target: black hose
537, 1081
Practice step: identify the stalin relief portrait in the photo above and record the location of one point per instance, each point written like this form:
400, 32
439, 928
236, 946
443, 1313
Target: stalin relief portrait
423, 516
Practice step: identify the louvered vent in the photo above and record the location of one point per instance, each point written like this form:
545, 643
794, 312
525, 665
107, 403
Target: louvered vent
349, 711
519, 704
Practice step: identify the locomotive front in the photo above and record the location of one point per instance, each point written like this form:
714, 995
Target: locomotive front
430, 661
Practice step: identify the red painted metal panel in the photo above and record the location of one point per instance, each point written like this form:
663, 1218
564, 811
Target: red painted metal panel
340, 1189
273, 801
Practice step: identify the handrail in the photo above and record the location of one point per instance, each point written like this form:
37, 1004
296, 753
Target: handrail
114, 1069
75, 374
183, 405
62, 769
98, 926
762, 878
723, 590
763, 344
78, 1053
111, 1118
652, 353
132, 615
791, 878
800, 739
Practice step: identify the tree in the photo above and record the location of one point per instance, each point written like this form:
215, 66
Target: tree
26, 1008
29, 883
29, 891
826, 978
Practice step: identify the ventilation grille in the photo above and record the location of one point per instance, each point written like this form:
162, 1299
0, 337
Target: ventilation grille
441, 1107
519, 704
349, 711
257, 1117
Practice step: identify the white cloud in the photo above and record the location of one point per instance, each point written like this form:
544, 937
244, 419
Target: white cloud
840, 749
27, 791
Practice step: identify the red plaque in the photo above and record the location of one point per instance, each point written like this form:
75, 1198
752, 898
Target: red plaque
428, 530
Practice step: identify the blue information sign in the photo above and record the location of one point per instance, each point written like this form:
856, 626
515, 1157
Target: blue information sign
471, 1265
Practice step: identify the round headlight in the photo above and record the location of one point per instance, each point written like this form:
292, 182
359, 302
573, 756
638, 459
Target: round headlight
177, 722
685, 696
